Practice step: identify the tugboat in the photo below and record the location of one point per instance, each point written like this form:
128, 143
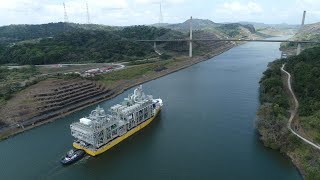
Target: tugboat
72, 156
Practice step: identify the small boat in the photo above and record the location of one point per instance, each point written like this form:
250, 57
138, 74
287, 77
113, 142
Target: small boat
72, 156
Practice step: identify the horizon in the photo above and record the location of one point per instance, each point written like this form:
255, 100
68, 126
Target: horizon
147, 12
82, 23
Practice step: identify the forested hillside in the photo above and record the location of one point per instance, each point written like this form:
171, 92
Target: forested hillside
273, 113
15, 33
306, 72
84, 46
77, 43
197, 24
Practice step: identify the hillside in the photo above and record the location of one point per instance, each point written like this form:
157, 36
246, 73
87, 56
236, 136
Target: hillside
235, 30
308, 32
77, 43
85, 46
197, 24
275, 31
273, 112
15, 33
259, 25
230, 29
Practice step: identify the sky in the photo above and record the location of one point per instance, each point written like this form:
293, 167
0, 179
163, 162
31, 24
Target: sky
134, 12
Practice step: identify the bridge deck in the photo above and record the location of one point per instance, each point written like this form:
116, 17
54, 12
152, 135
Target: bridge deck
253, 40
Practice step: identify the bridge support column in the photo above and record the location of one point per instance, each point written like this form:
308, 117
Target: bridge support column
190, 49
299, 49
154, 45
302, 24
190, 42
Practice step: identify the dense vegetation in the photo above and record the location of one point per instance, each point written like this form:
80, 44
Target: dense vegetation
77, 43
13, 80
306, 72
84, 46
273, 113
15, 33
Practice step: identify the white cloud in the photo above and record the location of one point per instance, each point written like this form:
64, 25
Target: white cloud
234, 11
44, 11
292, 13
166, 2
311, 6
144, 1
236, 7
128, 12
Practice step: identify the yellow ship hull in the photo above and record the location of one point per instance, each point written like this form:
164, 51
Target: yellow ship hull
117, 140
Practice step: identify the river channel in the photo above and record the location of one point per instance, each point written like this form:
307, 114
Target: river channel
206, 130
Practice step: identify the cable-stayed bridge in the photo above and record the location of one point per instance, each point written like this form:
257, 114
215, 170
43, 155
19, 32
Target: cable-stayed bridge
190, 40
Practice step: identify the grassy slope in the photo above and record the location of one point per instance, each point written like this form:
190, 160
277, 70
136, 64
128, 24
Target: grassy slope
15, 80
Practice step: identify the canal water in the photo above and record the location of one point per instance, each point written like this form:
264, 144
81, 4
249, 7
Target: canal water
205, 131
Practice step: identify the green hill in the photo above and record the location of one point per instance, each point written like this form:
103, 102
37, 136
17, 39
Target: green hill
197, 24
15, 33
81, 45
273, 113
77, 43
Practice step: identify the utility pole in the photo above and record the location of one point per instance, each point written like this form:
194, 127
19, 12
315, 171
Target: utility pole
190, 41
88, 16
302, 24
160, 16
65, 14
65, 18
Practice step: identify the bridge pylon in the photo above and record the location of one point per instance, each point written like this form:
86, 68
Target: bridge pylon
190, 41
302, 24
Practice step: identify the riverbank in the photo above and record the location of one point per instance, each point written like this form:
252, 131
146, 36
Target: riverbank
278, 105
208, 96
119, 86
273, 114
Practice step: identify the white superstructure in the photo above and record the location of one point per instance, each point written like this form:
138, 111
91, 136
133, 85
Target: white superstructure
99, 128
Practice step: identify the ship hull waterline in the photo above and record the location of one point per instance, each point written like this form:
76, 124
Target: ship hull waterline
118, 139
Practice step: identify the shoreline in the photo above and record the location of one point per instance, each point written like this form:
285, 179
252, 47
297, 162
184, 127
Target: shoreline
296, 165
295, 160
92, 101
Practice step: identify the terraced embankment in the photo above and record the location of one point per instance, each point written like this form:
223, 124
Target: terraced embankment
48, 99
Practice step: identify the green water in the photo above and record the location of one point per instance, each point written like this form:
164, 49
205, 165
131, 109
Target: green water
205, 131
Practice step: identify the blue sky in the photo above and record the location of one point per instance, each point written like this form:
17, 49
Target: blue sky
130, 12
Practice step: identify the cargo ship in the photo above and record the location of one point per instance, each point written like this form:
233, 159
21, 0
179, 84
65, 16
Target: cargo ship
99, 131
